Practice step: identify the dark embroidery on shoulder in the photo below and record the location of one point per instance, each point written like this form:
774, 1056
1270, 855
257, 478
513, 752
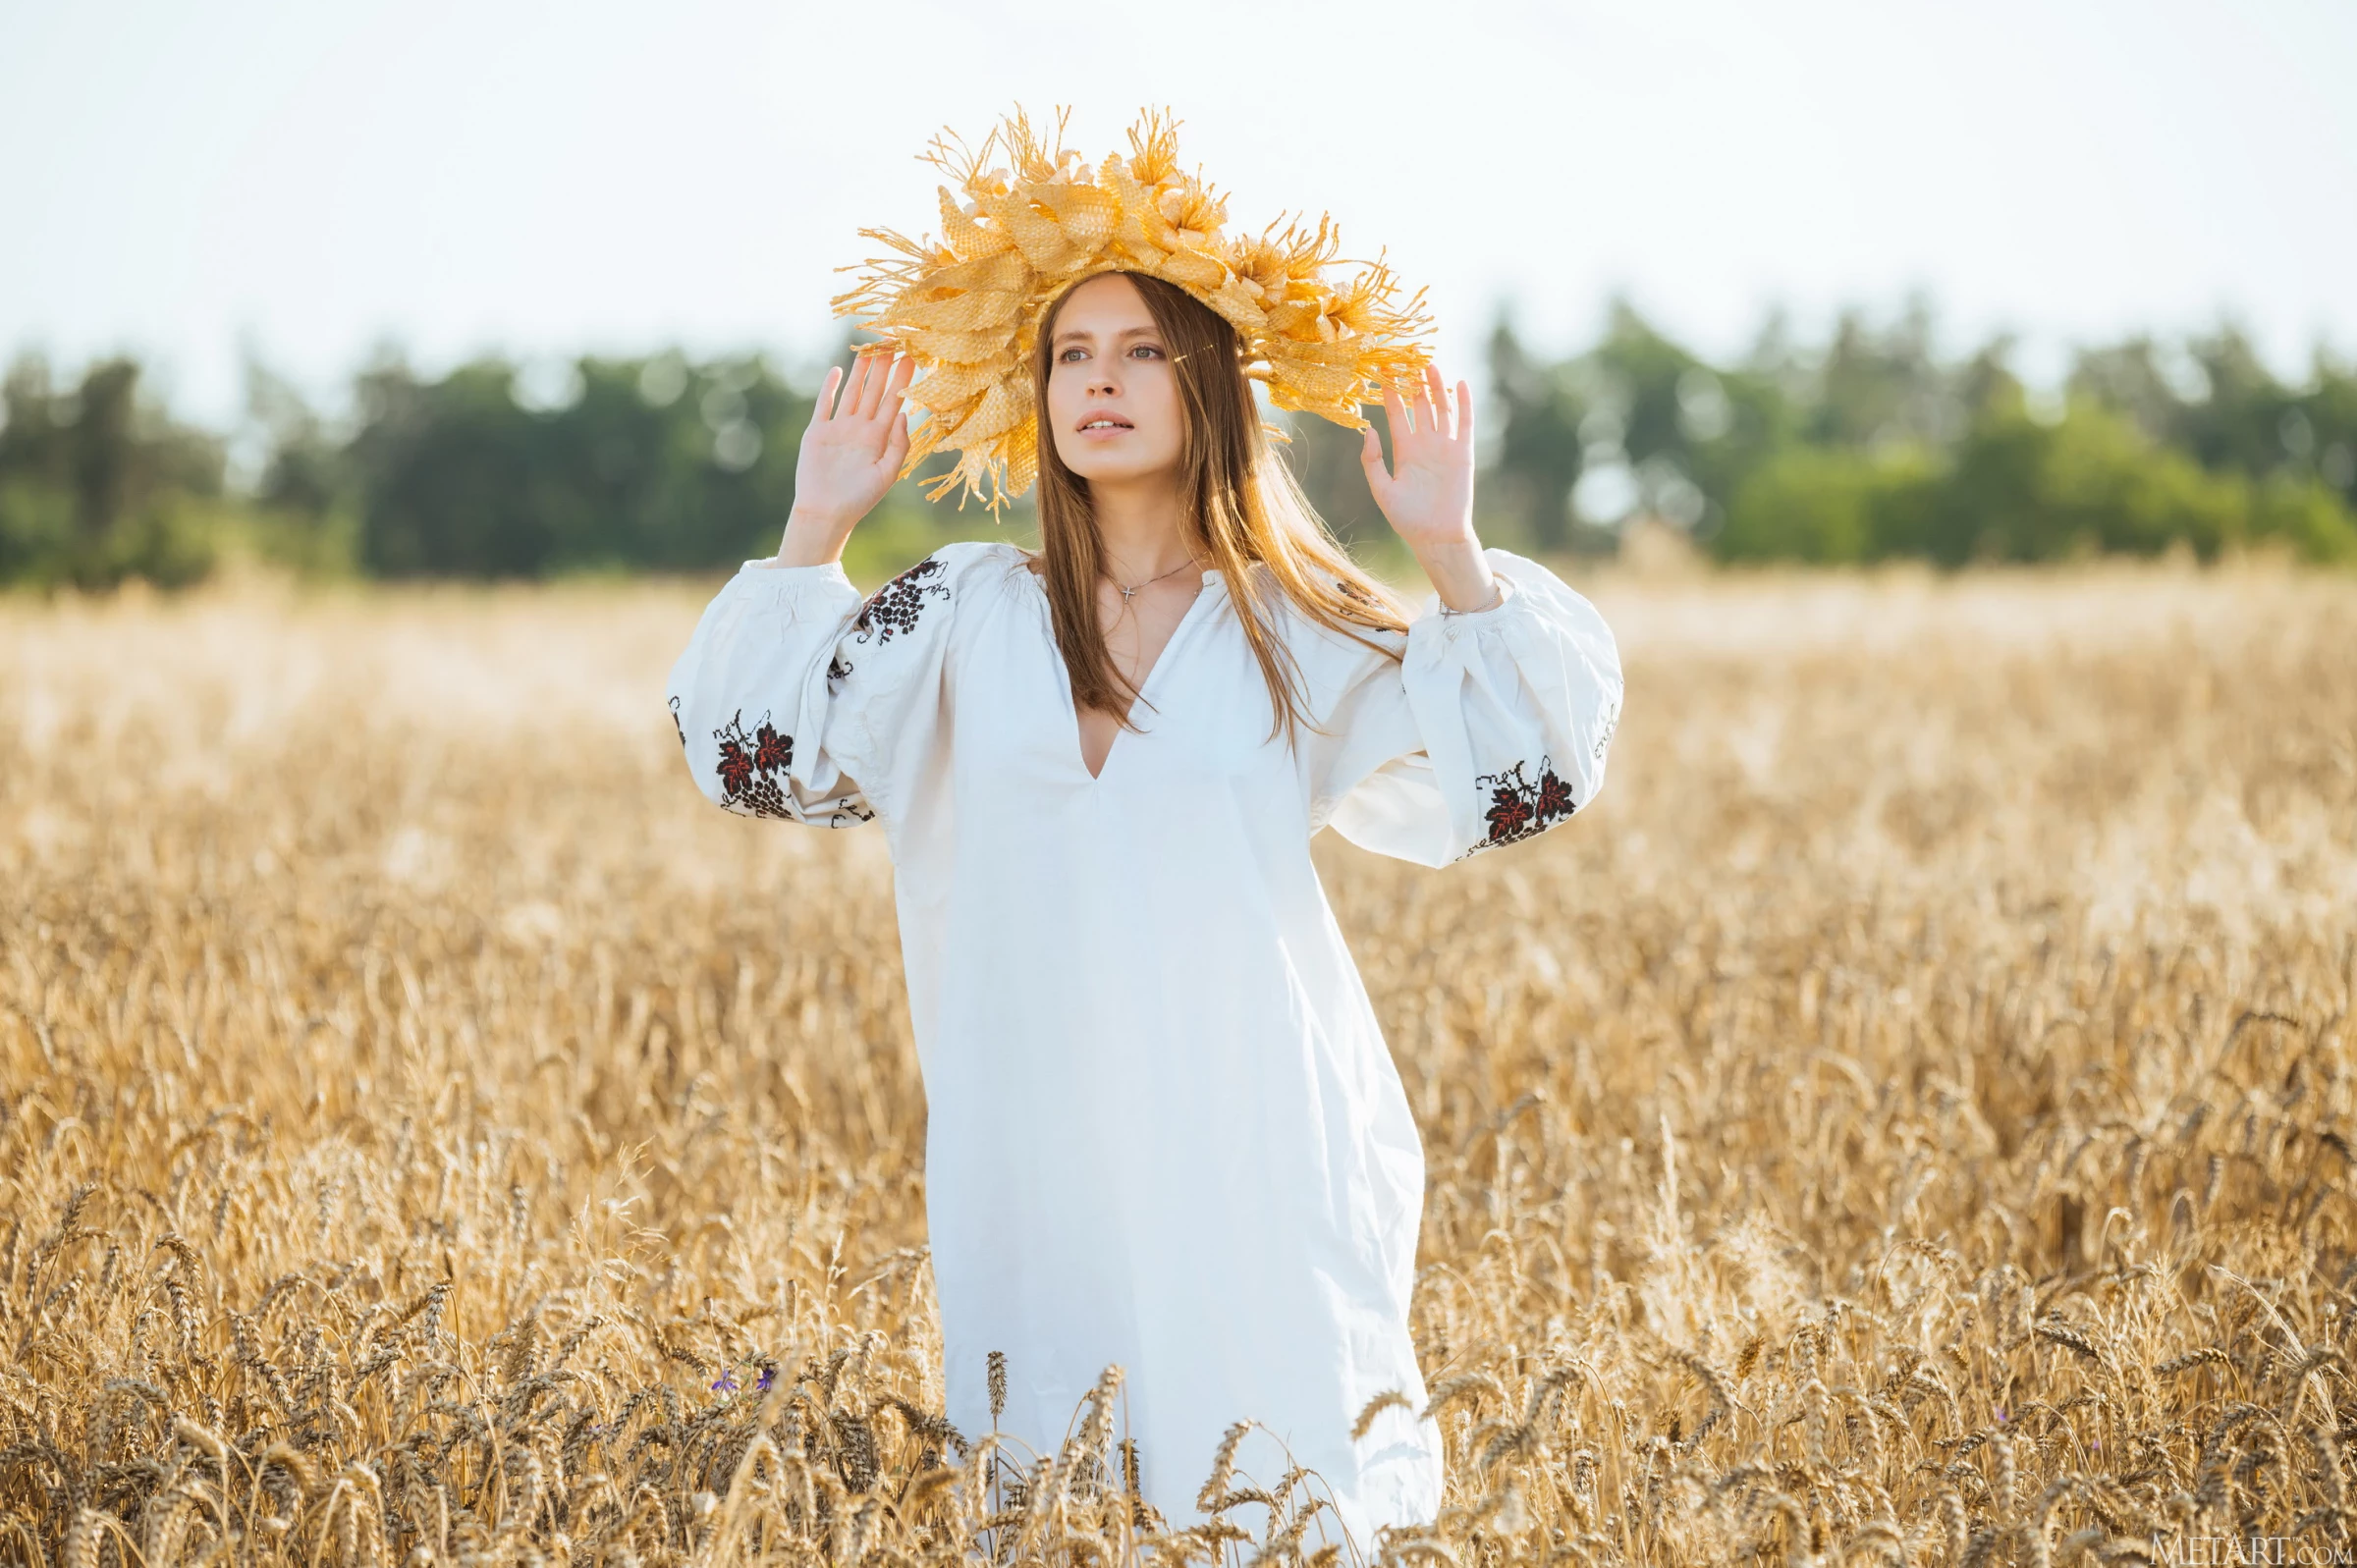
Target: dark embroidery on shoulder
1520, 808
896, 606
676, 724
837, 668
751, 766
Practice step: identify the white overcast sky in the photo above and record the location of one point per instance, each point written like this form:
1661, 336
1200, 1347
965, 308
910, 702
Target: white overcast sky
314, 177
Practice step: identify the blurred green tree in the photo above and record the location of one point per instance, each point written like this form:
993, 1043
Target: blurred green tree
1526, 494
1874, 447
98, 483
645, 463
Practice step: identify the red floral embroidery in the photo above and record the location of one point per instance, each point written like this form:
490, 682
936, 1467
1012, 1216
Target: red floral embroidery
1554, 798
1510, 814
1520, 808
754, 777
736, 768
753, 768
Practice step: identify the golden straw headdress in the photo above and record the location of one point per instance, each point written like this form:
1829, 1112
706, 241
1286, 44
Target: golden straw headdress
1018, 232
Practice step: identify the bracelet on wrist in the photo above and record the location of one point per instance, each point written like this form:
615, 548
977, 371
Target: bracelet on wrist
1497, 598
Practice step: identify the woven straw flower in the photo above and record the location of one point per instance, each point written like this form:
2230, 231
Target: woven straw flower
1015, 234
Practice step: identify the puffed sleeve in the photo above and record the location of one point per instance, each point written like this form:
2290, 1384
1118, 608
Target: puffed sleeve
1489, 728
797, 699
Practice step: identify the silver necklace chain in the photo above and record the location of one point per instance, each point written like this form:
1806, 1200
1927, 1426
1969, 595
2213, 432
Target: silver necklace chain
1128, 593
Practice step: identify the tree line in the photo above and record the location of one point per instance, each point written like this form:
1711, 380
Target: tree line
1870, 447
1865, 447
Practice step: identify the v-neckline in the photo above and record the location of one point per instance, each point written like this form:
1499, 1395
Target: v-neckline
1063, 674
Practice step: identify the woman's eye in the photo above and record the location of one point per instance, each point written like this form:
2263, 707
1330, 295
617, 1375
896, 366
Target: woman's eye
1147, 348
1069, 356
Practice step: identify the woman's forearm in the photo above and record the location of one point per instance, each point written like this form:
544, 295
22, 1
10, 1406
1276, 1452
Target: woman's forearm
1460, 574
812, 538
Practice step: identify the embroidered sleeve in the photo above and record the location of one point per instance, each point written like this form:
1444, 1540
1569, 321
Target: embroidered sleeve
796, 700
1491, 729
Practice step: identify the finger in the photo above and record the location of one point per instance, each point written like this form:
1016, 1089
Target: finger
863, 385
896, 446
1464, 410
879, 371
1370, 457
898, 387
1396, 412
826, 396
849, 399
862, 368
1435, 397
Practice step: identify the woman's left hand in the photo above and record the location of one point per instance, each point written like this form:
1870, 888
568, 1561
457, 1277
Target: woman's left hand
1427, 492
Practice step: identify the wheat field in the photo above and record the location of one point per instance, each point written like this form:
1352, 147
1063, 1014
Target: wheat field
1908, 1120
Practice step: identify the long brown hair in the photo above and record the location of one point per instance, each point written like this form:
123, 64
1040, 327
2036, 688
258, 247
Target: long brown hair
1243, 509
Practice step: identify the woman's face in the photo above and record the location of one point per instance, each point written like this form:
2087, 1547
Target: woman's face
1112, 393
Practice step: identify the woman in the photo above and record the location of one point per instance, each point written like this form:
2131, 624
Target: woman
1164, 1129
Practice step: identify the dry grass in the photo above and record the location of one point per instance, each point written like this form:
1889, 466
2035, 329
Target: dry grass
1909, 1119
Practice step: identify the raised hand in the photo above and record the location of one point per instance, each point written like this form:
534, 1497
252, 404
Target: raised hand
1427, 492
852, 453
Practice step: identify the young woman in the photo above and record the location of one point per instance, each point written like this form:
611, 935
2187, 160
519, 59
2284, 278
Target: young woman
1164, 1128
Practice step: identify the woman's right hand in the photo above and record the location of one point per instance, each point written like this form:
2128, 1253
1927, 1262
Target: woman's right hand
852, 453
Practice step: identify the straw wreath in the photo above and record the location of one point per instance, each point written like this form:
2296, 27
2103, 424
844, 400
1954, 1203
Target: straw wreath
1016, 232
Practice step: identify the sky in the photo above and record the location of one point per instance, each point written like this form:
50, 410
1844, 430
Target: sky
310, 183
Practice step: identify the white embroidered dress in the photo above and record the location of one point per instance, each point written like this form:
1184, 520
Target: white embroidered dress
1164, 1128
